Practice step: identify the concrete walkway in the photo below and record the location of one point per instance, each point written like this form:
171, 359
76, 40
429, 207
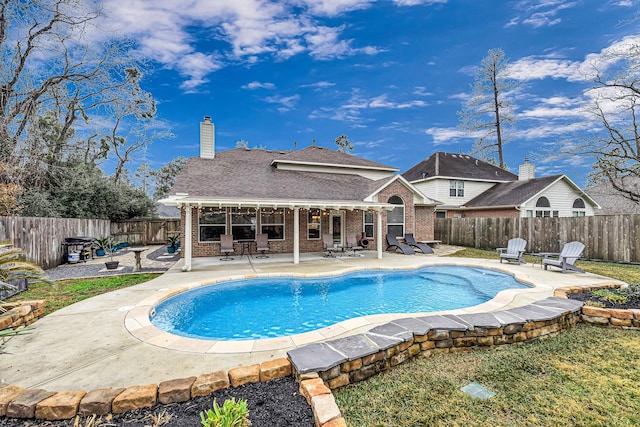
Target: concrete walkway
89, 345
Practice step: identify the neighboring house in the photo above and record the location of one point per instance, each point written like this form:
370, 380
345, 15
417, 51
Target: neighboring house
468, 187
293, 196
167, 212
612, 201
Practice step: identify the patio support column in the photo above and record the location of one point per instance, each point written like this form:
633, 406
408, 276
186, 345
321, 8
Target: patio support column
296, 235
187, 238
379, 234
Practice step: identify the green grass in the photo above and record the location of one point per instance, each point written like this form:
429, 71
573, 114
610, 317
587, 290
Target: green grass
67, 292
585, 377
626, 272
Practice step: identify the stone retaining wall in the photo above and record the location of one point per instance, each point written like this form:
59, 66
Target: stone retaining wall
20, 314
612, 317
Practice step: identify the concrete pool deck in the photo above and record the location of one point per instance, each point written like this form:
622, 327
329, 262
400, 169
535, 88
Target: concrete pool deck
105, 342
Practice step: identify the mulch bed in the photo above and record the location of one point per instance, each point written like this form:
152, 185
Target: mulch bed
274, 404
588, 296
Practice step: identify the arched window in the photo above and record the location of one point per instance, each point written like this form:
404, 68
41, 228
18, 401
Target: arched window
543, 202
543, 208
395, 217
579, 208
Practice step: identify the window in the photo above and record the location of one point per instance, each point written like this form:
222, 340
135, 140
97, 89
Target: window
441, 214
314, 221
456, 188
542, 208
272, 223
212, 223
579, 208
243, 223
395, 217
368, 222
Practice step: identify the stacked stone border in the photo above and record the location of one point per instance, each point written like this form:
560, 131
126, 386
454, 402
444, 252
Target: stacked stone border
21, 314
610, 317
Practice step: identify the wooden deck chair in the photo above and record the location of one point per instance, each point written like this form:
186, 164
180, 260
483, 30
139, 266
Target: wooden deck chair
514, 251
392, 242
262, 244
226, 246
411, 241
566, 259
352, 244
327, 245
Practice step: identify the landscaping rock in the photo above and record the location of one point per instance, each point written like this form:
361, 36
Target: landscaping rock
7, 394
206, 384
60, 406
140, 396
24, 405
244, 375
273, 369
173, 391
98, 401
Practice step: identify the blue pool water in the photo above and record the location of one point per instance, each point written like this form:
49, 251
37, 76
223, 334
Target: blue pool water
275, 307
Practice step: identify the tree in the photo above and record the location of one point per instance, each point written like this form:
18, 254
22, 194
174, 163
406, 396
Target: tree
488, 112
166, 176
344, 145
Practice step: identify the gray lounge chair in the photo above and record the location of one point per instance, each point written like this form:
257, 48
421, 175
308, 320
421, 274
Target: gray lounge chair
411, 241
352, 244
262, 245
392, 242
566, 259
328, 245
226, 246
514, 251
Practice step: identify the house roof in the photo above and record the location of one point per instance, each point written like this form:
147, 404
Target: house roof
612, 201
512, 193
463, 166
251, 175
324, 156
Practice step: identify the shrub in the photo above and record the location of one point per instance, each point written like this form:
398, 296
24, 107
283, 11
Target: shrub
230, 414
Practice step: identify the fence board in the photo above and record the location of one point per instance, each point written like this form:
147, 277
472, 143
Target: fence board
606, 237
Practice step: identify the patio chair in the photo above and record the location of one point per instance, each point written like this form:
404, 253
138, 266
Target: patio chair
262, 244
392, 242
566, 259
226, 246
514, 251
352, 244
411, 241
328, 245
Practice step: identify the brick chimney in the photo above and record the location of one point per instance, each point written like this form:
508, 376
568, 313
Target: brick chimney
527, 171
207, 138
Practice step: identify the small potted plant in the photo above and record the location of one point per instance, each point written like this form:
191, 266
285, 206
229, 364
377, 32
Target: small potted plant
101, 245
110, 265
174, 242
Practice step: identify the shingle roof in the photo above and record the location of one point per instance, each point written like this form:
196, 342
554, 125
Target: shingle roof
457, 166
248, 173
511, 193
322, 155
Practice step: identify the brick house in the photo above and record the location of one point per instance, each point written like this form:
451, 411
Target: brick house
295, 197
470, 188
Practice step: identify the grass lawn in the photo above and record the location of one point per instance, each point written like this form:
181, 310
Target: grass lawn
67, 292
585, 377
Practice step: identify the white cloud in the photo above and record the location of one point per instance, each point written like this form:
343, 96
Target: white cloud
540, 13
258, 85
443, 136
286, 103
418, 2
319, 85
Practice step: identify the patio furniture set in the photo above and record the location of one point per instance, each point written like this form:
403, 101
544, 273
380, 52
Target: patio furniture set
565, 260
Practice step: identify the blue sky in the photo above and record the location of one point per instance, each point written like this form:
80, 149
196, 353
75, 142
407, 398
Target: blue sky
390, 74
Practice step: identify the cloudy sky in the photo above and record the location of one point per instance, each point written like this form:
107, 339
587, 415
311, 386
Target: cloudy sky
390, 74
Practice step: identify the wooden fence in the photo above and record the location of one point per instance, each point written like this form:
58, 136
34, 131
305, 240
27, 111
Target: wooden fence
145, 231
42, 238
608, 237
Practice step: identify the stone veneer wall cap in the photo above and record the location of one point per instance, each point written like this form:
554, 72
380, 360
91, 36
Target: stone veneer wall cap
563, 303
533, 314
480, 320
441, 322
383, 341
506, 318
354, 346
415, 325
315, 357
392, 330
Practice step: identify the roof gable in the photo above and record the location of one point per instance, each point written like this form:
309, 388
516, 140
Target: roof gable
461, 166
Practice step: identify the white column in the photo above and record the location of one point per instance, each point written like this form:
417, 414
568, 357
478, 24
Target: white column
296, 235
379, 234
187, 238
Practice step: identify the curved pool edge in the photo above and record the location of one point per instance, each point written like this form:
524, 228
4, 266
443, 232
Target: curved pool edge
138, 323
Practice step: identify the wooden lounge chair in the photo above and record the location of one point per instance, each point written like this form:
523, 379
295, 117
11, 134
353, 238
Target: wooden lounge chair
514, 251
392, 242
411, 241
352, 244
226, 246
328, 245
262, 244
566, 259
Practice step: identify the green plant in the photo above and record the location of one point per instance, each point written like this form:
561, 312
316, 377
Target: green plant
594, 303
230, 414
101, 243
612, 296
173, 240
632, 291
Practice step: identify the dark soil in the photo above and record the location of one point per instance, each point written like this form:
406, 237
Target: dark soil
587, 296
274, 404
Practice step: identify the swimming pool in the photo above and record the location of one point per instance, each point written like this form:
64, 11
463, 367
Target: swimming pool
276, 307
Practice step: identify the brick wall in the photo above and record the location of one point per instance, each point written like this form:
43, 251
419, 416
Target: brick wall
486, 213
